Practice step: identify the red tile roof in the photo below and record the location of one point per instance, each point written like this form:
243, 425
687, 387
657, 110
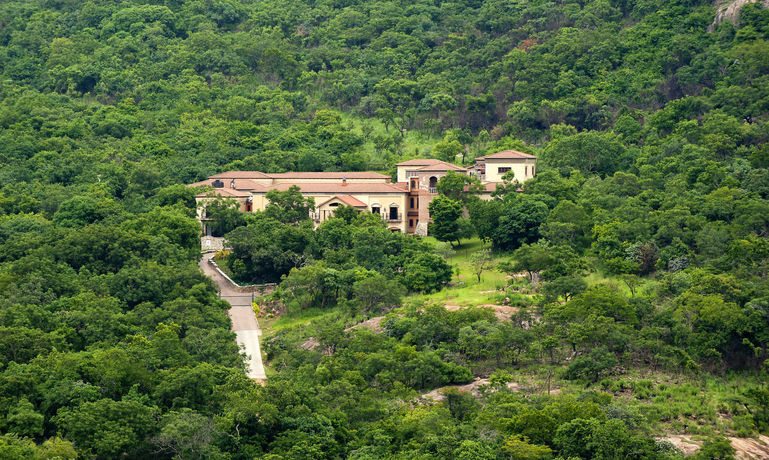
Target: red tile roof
240, 184
228, 192
240, 175
507, 154
491, 186
348, 200
419, 162
329, 175
338, 188
441, 166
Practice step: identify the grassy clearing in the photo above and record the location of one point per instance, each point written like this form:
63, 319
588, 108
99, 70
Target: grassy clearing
646, 285
465, 289
698, 405
295, 319
414, 144
669, 403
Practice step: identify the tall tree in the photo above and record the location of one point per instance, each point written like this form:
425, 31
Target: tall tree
290, 206
445, 214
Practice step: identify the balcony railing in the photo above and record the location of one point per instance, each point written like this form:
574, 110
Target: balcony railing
411, 174
320, 216
433, 190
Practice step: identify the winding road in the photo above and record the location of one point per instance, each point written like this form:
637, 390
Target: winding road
244, 323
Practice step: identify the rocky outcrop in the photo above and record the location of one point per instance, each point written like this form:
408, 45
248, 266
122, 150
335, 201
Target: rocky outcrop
730, 11
421, 229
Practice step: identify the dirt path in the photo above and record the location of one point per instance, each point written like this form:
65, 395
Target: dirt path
244, 323
439, 394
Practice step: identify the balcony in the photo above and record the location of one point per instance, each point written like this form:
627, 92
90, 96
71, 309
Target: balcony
320, 216
433, 190
393, 218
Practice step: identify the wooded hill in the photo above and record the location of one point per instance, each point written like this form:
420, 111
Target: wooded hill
646, 227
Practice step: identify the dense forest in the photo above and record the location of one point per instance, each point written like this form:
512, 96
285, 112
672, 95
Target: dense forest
632, 269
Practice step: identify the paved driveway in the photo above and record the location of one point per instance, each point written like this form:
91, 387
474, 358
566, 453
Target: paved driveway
244, 322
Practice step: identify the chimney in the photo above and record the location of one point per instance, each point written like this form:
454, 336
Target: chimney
344, 181
232, 183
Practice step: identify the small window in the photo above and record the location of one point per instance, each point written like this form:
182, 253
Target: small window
412, 202
333, 205
503, 170
411, 222
525, 171
375, 210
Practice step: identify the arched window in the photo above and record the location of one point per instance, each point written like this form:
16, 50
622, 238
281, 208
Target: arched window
433, 184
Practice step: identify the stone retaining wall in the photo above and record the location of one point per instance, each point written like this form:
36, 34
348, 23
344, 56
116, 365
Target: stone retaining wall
211, 243
261, 289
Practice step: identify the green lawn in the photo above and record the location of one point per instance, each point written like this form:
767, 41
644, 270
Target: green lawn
465, 289
293, 319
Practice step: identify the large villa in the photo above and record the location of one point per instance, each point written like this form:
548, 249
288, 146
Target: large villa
402, 205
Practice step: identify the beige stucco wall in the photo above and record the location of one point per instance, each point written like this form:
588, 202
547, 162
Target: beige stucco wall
523, 169
402, 172
401, 176
315, 180
383, 200
294, 180
519, 168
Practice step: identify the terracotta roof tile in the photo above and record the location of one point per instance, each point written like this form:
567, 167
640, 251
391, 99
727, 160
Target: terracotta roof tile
228, 192
240, 175
348, 200
329, 175
507, 154
240, 184
419, 162
491, 186
338, 188
441, 166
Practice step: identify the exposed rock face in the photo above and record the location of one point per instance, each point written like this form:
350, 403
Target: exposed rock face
421, 229
746, 448
730, 11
